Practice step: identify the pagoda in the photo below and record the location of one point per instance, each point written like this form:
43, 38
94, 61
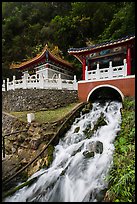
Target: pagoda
48, 63
115, 51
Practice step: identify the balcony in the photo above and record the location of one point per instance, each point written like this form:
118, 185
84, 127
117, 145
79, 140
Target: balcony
107, 73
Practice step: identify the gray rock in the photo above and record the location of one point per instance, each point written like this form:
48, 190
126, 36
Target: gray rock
88, 154
76, 129
95, 146
92, 148
99, 147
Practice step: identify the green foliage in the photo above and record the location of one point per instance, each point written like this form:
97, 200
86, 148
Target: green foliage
129, 104
122, 174
122, 24
28, 26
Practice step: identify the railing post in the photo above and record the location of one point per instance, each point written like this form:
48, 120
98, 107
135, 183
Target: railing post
110, 70
7, 84
46, 73
75, 83
14, 82
41, 80
86, 73
59, 82
98, 72
3, 86
37, 81
24, 78
128, 60
125, 67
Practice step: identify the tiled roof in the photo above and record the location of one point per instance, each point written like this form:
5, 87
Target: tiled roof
39, 56
28, 61
101, 45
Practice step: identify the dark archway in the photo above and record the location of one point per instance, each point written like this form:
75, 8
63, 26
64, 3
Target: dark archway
105, 93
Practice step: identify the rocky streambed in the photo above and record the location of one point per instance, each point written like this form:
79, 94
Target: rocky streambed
22, 147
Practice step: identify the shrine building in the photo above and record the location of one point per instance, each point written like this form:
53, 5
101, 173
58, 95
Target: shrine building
48, 63
109, 65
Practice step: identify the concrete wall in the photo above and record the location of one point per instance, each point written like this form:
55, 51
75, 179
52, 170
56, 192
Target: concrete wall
37, 99
125, 85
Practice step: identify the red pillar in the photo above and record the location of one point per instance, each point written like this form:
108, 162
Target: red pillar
83, 69
128, 60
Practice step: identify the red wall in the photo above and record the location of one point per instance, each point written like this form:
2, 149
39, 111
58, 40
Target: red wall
126, 86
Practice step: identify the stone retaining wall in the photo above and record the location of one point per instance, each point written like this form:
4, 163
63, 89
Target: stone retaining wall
37, 99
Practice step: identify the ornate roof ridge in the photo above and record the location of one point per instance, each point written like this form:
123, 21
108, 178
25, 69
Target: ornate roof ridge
14, 65
99, 45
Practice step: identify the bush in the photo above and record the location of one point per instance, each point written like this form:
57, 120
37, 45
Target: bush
122, 175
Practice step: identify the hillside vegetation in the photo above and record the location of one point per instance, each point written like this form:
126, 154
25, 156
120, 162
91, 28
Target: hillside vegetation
28, 26
122, 175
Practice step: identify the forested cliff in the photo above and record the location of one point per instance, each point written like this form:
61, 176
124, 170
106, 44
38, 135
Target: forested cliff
28, 26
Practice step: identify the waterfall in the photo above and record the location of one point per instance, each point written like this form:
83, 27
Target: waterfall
73, 177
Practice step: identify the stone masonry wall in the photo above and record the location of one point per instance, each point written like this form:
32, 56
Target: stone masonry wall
37, 99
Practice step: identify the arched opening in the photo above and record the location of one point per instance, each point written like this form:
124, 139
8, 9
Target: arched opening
105, 92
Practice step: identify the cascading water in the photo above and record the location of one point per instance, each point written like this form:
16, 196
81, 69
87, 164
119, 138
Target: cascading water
73, 177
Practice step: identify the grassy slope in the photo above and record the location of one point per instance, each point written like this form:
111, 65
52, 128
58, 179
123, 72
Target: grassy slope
46, 116
122, 175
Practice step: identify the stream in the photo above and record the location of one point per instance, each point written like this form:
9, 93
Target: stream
79, 170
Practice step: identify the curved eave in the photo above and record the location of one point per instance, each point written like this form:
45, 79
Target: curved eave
96, 48
29, 62
39, 57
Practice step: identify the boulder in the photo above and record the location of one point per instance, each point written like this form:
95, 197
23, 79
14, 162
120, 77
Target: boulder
99, 147
92, 148
100, 196
95, 146
88, 154
76, 129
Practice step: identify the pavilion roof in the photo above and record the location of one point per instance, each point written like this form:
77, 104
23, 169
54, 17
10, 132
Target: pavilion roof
40, 56
101, 45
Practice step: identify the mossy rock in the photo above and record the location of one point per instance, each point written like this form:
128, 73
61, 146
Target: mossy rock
100, 122
99, 147
50, 151
85, 110
76, 129
92, 148
88, 131
100, 196
89, 106
88, 154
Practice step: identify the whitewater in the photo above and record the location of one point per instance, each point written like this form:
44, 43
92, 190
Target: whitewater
72, 177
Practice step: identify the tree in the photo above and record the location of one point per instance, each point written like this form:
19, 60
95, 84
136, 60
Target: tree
28, 26
122, 24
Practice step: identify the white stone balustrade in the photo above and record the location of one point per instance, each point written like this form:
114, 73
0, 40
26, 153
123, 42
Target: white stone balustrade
39, 81
107, 73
